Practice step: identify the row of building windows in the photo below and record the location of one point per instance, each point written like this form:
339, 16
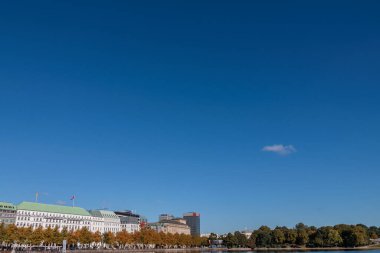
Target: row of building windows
30, 213
7, 221
6, 206
36, 225
53, 220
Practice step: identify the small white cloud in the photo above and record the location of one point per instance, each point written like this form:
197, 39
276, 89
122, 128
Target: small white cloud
280, 149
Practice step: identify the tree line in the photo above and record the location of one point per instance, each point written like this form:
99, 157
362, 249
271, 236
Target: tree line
25, 237
341, 235
301, 235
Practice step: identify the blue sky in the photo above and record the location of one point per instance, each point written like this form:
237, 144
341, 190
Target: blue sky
175, 106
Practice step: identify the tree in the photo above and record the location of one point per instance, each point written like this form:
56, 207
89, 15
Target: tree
327, 237
11, 234
123, 238
97, 237
109, 238
37, 237
48, 236
241, 239
358, 236
302, 237
57, 236
290, 236
2, 232
230, 241
278, 237
85, 236
72, 238
372, 232
262, 237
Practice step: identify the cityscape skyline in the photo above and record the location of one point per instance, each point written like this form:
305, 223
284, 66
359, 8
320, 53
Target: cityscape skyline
35, 215
248, 112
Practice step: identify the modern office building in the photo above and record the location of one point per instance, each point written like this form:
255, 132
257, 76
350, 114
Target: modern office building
173, 226
111, 220
193, 220
165, 216
31, 214
7, 213
129, 221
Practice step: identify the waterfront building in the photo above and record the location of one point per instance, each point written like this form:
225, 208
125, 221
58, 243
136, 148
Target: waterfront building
165, 216
129, 221
30, 214
143, 221
193, 220
97, 222
7, 213
172, 226
111, 220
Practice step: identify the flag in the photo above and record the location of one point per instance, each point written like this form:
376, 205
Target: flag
72, 197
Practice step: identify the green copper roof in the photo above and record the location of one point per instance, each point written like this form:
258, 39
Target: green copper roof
31, 206
6, 205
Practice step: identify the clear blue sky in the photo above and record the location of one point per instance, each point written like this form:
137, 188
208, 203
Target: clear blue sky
166, 106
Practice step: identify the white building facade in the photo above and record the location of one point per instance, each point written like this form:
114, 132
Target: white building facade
30, 214
111, 220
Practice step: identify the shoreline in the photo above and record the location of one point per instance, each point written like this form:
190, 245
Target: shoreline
232, 249
218, 250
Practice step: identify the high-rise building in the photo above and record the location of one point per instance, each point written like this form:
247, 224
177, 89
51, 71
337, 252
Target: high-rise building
165, 216
193, 220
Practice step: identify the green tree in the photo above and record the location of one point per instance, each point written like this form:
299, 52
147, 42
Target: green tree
278, 237
372, 232
262, 237
327, 237
290, 236
230, 240
241, 239
302, 237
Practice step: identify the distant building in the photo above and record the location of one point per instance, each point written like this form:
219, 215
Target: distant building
247, 233
31, 214
172, 226
129, 221
7, 213
193, 220
143, 221
111, 220
165, 216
